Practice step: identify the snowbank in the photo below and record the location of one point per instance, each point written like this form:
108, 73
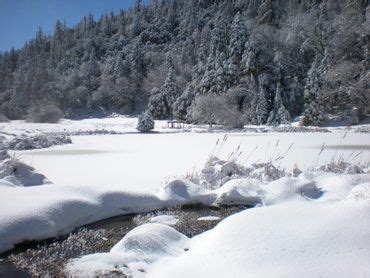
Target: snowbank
300, 226
131, 256
292, 239
16, 173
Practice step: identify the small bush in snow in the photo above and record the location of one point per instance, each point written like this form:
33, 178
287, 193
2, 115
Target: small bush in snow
38, 141
145, 122
48, 113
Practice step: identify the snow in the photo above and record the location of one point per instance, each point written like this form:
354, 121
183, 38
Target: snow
209, 218
299, 225
139, 248
295, 233
288, 240
164, 219
100, 160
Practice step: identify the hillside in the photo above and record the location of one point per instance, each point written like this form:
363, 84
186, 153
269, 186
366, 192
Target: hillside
203, 61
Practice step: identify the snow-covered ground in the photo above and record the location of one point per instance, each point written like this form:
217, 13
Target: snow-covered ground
301, 225
145, 161
297, 232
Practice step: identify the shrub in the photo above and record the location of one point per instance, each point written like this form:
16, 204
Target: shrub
145, 122
212, 109
48, 113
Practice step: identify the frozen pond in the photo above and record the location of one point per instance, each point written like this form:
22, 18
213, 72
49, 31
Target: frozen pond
145, 161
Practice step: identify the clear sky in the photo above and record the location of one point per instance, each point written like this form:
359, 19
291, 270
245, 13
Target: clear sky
20, 19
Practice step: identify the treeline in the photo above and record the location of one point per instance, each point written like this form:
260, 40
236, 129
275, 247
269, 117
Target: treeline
208, 61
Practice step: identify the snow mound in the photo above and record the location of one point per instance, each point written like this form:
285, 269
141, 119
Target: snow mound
164, 219
182, 191
16, 173
218, 171
134, 253
288, 240
247, 192
360, 193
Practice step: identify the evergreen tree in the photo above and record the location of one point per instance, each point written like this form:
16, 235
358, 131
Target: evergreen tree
170, 88
279, 114
145, 122
262, 108
182, 106
238, 38
157, 105
314, 110
266, 12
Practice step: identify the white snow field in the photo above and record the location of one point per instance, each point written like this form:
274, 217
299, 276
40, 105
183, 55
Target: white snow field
311, 225
144, 161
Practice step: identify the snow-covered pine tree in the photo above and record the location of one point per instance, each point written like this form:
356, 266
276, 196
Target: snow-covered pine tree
170, 88
145, 122
157, 105
262, 108
266, 12
279, 114
314, 110
249, 59
181, 107
91, 72
238, 38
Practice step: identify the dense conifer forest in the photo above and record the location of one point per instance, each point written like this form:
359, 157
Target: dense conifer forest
227, 62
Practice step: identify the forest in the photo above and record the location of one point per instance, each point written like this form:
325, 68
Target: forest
201, 61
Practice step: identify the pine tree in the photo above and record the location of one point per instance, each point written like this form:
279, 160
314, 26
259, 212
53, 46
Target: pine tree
157, 105
266, 13
238, 38
250, 58
279, 114
181, 107
145, 122
170, 88
91, 72
314, 110
262, 108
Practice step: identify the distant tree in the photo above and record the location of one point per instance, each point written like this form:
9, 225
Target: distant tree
182, 106
157, 105
145, 122
262, 105
279, 114
314, 111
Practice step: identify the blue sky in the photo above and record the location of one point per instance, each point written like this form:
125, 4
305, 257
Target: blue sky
20, 19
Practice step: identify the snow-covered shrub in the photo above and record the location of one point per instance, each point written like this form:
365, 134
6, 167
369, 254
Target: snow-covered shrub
145, 122
265, 172
48, 113
301, 129
341, 167
213, 109
18, 173
38, 141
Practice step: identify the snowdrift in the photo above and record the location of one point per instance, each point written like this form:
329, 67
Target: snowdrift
314, 224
